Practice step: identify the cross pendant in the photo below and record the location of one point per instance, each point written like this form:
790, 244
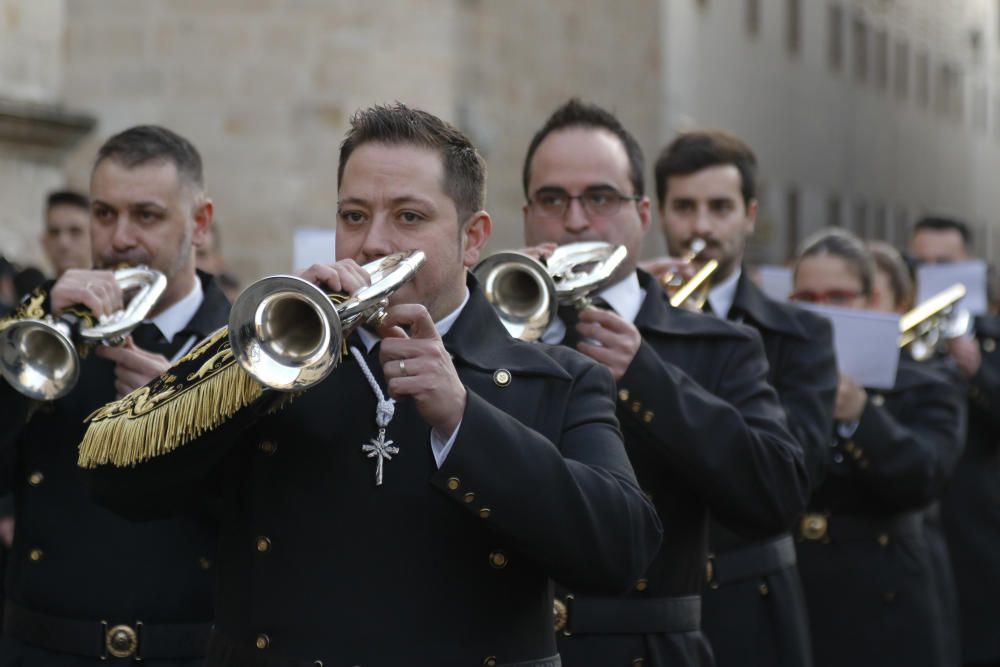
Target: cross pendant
382, 450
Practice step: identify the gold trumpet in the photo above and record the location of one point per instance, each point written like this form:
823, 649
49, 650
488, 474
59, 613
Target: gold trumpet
697, 287
287, 333
40, 357
935, 320
526, 292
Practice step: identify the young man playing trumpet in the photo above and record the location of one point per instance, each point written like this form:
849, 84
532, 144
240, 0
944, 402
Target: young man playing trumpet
706, 189
505, 467
84, 586
702, 427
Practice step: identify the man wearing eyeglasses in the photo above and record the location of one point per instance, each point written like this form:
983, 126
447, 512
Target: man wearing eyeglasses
705, 186
971, 505
704, 430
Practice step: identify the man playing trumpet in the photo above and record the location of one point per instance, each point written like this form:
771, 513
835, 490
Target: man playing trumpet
80, 579
505, 467
702, 427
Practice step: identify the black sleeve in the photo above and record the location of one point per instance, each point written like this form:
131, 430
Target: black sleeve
730, 440
573, 506
907, 459
806, 383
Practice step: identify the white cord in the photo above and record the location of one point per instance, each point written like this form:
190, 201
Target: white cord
386, 408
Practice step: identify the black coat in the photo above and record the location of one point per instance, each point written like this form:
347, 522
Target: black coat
705, 433
73, 558
448, 566
761, 620
869, 580
971, 507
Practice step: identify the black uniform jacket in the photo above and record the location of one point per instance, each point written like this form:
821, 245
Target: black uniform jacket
705, 433
867, 573
446, 566
971, 507
75, 559
759, 618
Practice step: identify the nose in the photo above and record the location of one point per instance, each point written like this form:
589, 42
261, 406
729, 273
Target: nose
702, 223
123, 237
576, 219
378, 241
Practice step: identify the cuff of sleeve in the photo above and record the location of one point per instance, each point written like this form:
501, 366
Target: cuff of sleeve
441, 447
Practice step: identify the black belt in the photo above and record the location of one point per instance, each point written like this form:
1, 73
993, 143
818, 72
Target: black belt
815, 527
631, 616
752, 561
224, 651
104, 639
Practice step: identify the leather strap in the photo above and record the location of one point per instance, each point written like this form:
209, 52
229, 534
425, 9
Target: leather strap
751, 561
589, 615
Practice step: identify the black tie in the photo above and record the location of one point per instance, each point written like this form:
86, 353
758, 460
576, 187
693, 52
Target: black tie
707, 308
569, 316
147, 336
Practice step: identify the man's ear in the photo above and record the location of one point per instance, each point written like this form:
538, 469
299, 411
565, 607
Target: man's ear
204, 211
645, 209
475, 234
752, 208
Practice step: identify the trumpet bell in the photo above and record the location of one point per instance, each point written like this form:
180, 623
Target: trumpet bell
521, 290
285, 332
39, 360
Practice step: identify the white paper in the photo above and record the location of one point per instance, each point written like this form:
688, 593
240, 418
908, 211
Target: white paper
775, 281
935, 278
866, 343
313, 245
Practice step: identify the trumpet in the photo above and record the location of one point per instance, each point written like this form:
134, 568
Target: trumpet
673, 280
40, 358
526, 292
287, 333
935, 320
697, 287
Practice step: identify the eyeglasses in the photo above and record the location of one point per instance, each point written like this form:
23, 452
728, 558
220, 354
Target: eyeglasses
598, 202
834, 297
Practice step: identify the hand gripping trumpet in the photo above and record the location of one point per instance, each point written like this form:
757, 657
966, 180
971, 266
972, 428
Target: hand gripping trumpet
287, 333
40, 357
935, 320
697, 287
526, 292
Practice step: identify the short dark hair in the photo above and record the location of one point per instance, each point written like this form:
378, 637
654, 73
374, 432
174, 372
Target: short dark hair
143, 144
891, 262
394, 124
576, 113
26, 280
848, 247
940, 224
66, 198
694, 151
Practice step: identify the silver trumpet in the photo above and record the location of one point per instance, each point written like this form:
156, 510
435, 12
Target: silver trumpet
40, 357
526, 292
288, 334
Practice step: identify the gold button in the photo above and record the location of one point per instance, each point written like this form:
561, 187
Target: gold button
36, 555
469, 497
889, 597
204, 563
35, 478
857, 454
641, 585
763, 590
647, 416
878, 400
498, 559
453, 483
883, 540
484, 513
490, 661
636, 407
263, 544
623, 394
849, 446
267, 447
263, 641
501, 378
813, 526
989, 345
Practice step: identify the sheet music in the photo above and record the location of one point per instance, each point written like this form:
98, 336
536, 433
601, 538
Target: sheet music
866, 343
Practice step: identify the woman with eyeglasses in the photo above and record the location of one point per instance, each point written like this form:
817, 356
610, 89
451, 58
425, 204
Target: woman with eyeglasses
863, 557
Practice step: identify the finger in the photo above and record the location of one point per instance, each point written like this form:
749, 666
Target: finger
400, 387
540, 251
393, 332
599, 354
605, 318
402, 368
412, 316
605, 337
394, 349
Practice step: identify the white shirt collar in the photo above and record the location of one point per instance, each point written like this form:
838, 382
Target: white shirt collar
443, 325
625, 297
176, 317
722, 295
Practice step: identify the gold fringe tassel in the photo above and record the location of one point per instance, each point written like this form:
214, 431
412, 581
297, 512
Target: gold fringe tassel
127, 439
